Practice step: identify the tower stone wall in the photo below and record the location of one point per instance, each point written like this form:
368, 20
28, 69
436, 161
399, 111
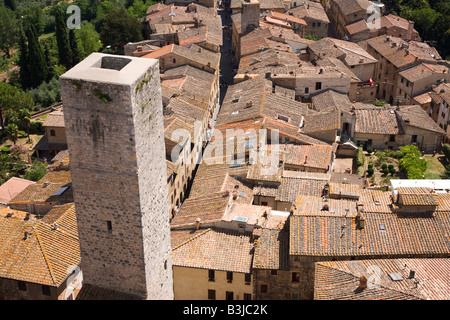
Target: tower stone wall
250, 15
114, 121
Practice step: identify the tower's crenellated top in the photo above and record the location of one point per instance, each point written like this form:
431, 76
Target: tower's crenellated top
108, 68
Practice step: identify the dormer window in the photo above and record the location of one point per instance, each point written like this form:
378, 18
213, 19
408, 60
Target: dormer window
284, 118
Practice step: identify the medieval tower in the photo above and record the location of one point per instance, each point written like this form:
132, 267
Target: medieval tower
114, 120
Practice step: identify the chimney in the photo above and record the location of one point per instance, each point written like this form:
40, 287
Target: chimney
409, 33
250, 15
412, 274
26, 235
197, 223
306, 159
363, 282
139, 48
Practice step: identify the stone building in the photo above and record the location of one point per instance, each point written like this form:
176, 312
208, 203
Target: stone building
54, 139
322, 230
114, 119
394, 55
314, 15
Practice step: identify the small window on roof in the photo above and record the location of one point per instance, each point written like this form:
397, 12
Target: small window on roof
382, 227
284, 118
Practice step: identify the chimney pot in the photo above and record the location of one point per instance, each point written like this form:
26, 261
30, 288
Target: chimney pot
363, 282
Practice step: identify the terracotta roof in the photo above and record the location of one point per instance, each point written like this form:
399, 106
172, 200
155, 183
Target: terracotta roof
272, 250
415, 116
47, 254
310, 10
54, 119
322, 121
216, 249
349, 52
344, 190
44, 189
330, 100
208, 209
424, 70
339, 280
348, 7
377, 121
252, 99
193, 53
391, 49
13, 187
316, 232
286, 17
314, 156
409, 199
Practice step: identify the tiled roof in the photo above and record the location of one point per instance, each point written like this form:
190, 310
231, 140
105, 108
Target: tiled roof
314, 156
272, 250
193, 53
309, 10
423, 70
412, 51
54, 119
322, 121
409, 199
251, 99
339, 280
349, 52
259, 216
330, 100
13, 187
345, 190
46, 254
415, 116
208, 209
216, 249
324, 233
377, 121
348, 7
44, 189
264, 4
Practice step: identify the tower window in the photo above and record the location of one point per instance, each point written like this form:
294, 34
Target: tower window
109, 226
22, 286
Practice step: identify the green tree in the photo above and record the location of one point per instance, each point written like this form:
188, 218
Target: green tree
89, 38
24, 73
37, 66
9, 30
11, 4
12, 98
138, 9
64, 50
412, 163
12, 131
119, 28
37, 170
76, 54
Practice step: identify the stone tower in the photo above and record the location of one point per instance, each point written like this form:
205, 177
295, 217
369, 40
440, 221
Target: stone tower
114, 121
250, 15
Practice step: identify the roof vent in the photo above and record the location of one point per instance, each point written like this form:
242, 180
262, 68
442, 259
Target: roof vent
26, 235
363, 282
9, 214
412, 274
46, 184
325, 207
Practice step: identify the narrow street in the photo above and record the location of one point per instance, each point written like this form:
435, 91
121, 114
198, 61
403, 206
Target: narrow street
227, 60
